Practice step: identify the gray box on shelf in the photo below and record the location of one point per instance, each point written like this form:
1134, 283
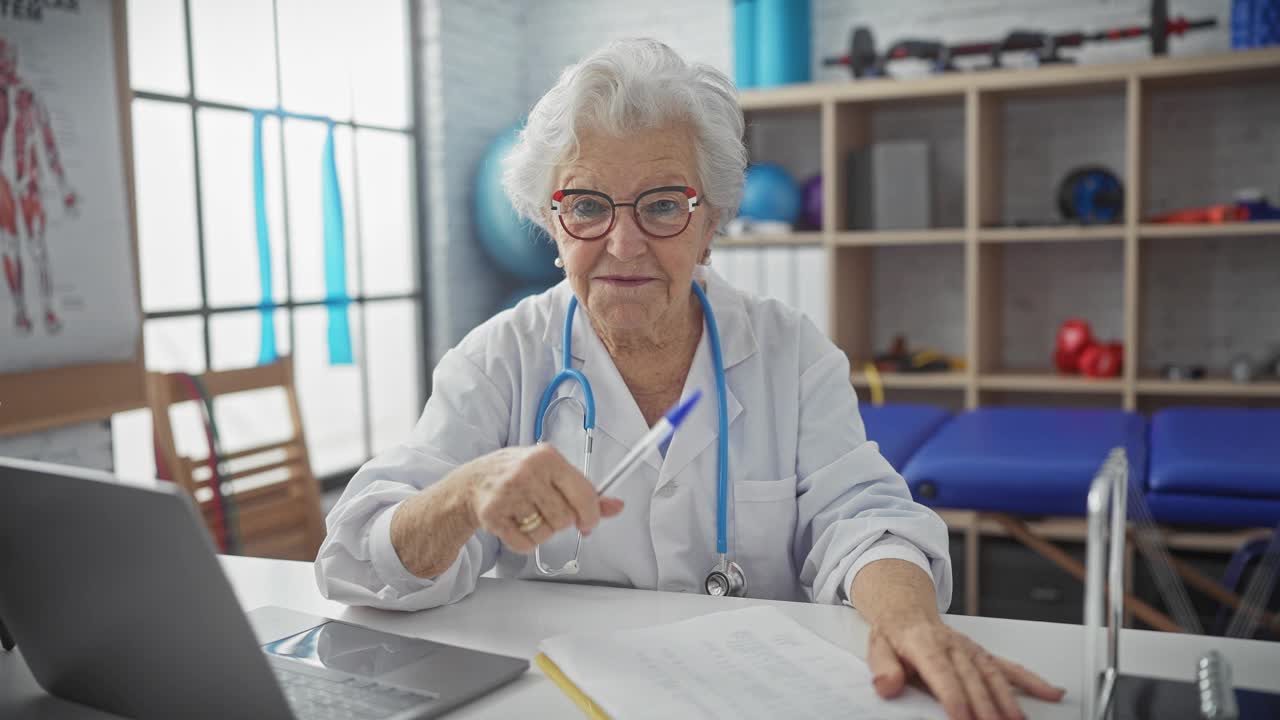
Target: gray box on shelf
889, 186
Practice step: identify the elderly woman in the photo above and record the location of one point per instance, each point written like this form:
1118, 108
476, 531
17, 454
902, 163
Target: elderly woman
770, 488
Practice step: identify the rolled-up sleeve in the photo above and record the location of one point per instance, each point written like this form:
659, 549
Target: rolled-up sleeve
466, 417
854, 508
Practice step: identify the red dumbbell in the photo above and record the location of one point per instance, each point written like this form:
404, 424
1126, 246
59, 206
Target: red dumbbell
1102, 360
1074, 337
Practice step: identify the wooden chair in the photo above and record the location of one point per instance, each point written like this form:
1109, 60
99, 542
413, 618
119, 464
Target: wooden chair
276, 497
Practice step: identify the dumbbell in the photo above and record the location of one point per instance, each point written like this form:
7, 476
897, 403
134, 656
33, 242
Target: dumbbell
863, 60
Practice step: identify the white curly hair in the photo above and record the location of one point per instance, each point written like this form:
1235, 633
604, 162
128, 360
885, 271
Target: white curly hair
623, 86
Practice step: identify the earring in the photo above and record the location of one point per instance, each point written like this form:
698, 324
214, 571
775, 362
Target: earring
559, 263
706, 258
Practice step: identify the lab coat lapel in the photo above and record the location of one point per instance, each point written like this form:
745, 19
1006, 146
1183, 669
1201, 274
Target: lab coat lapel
700, 430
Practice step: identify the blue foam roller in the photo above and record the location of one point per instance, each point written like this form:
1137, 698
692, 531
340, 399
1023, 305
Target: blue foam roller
744, 43
782, 42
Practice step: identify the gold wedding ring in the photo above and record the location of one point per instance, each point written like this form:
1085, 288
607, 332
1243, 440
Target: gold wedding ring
530, 522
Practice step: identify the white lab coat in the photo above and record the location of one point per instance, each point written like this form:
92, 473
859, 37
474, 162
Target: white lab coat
811, 501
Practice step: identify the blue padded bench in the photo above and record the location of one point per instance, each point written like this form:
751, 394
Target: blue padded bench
1002, 462
1028, 461
900, 429
1215, 466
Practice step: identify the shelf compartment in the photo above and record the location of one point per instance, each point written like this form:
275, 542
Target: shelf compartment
1204, 142
1030, 140
937, 122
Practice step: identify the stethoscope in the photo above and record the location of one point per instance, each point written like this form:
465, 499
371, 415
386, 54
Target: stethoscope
726, 578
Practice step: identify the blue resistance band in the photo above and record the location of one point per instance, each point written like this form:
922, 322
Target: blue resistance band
266, 308
335, 260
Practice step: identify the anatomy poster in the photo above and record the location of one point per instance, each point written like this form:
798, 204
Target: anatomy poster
68, 292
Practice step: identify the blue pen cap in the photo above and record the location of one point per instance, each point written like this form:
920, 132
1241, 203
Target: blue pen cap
676, 415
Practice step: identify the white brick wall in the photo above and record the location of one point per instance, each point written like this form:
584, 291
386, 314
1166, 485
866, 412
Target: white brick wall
1046, 138
1047, 283
561, 32
473, 54
1207, 301
1206, 143
496, 57
919, 292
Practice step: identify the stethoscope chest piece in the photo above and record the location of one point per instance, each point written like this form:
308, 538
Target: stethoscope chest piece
726, 580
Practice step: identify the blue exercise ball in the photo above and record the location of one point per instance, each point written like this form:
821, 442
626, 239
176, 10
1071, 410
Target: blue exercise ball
519, 247
770, 193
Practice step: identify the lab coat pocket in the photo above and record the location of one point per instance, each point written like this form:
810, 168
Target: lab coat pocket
764, 526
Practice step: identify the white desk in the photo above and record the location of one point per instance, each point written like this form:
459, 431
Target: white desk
511, 617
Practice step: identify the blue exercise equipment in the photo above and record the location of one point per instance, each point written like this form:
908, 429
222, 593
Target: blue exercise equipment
770, 194
1026, 461
518, 247
1091, 196
900, 429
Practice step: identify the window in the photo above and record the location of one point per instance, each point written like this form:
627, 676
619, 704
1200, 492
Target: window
211, 79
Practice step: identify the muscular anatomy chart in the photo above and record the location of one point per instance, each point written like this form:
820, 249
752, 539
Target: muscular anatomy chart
69, 293
21, 197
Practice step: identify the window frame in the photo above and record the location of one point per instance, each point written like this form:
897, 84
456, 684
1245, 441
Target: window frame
359, 302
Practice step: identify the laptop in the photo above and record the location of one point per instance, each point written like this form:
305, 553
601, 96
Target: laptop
114, 596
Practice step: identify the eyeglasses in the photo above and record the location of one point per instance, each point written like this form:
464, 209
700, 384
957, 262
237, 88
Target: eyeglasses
662, 212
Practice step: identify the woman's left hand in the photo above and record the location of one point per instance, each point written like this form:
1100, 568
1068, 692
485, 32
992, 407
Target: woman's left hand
969, 681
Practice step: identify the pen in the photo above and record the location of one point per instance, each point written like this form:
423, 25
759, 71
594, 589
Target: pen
660, 433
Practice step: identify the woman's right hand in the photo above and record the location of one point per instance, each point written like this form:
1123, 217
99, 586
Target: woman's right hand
509, 485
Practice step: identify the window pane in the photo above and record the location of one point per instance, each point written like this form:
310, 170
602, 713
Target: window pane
304, 149
157, 46
230, 230
234, 48
132, 447
316, 49
386, 211
163, 166
395, 353
330, 396
236, 338
175, 344
380, 77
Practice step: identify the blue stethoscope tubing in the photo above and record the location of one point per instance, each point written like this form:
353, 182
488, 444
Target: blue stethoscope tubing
569, 374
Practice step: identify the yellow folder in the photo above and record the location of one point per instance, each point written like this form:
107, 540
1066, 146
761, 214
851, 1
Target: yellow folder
562, 681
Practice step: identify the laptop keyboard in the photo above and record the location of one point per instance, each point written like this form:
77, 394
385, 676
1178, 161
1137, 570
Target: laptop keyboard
312, 697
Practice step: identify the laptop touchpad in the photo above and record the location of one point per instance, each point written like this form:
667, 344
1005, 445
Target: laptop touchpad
352, 649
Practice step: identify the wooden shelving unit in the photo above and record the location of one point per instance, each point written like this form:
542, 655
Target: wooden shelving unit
1210, 387
973, 107
955, 380
1066, 233
1015, 381
871, 238
1237, 229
